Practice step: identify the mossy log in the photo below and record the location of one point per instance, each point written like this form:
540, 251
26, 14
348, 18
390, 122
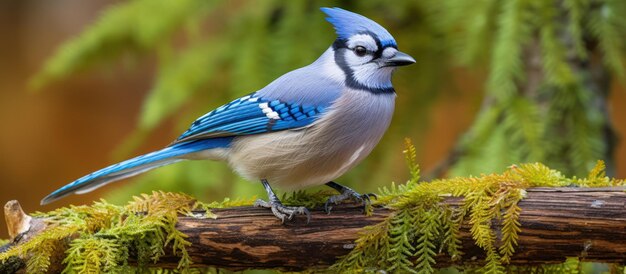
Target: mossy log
588, 223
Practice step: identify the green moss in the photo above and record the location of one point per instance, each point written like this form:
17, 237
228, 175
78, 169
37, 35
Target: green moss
101, 237
422, 227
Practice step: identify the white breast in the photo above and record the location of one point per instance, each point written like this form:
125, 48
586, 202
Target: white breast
342, 138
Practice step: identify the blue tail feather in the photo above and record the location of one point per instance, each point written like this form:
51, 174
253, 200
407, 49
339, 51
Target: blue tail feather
134, 166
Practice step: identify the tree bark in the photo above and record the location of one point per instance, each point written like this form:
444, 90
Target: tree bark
588, 223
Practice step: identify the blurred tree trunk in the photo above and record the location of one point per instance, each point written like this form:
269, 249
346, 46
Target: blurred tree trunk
556, 111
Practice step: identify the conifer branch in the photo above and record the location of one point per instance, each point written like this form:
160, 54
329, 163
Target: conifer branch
556, 223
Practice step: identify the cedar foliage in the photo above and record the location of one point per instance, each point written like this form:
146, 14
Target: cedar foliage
102, 237
550, 63
543, 99
204, 49
422, 227
560, 120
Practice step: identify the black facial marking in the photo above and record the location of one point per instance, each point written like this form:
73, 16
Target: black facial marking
343, 43
379, 46
341, 48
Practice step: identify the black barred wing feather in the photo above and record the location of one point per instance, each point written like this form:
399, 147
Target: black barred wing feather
249, 115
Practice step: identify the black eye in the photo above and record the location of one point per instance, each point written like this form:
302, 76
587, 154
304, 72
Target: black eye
360, 51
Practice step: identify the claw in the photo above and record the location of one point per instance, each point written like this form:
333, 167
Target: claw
278, 209
284, 212
366, 198
327, 206
347, 193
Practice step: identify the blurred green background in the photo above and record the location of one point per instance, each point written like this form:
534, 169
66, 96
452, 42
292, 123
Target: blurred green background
84, 84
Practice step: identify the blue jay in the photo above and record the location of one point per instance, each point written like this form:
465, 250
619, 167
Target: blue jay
305, 128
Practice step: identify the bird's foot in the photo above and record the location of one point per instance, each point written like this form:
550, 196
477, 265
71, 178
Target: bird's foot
348, 194
284, 212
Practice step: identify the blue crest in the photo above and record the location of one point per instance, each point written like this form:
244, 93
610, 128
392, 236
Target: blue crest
349, 23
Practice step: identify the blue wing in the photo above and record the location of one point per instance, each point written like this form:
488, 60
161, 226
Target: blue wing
252, 114
294, 100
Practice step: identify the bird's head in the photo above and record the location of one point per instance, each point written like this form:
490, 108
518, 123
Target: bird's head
365, 51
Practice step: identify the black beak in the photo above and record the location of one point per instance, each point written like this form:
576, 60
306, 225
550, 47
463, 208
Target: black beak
400, 59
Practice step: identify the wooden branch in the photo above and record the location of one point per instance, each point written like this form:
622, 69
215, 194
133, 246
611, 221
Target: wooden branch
588, 223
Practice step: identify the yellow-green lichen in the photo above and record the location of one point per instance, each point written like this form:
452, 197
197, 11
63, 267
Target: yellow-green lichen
101, 237
422, 227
